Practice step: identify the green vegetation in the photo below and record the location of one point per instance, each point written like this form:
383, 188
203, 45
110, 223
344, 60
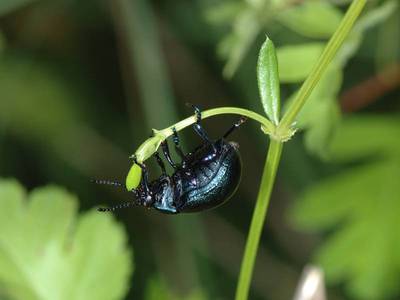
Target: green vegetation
82, 84
48, 252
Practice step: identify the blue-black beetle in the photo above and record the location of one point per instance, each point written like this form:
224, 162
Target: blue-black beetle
205, 178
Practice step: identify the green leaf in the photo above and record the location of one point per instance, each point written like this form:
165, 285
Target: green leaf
375, 16
268, 80
48, 252
315, 19
296, 61
371, 19
7, 6
362, 204
376, 135
235, 45
223, 13
318, 137
320, 115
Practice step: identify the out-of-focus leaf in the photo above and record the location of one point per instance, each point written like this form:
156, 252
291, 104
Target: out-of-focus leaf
315, 19
370, 19
364, 201
321, 113
235, 45
224, 12
157, 290
7, 6
388, 44
34, 102
268, 80
375, 135
326, 89
47, 252
323, 128
375, 16
2, 41
296, 61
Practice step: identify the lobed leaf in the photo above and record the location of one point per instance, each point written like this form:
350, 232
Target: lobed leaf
362, 203
47, 252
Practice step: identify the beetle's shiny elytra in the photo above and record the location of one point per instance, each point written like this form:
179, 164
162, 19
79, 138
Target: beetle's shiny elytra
205, 178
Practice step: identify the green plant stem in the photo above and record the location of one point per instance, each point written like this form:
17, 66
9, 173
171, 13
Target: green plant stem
257, 222
275, 147
326, 57
219, 111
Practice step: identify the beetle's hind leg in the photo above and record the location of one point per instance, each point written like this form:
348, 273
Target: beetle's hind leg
235, 126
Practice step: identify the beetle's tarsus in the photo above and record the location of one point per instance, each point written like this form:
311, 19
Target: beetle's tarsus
235, 126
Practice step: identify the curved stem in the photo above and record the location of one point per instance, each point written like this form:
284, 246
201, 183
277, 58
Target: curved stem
219, 111
257, 222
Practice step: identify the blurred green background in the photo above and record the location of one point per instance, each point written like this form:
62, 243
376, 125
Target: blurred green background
83, 82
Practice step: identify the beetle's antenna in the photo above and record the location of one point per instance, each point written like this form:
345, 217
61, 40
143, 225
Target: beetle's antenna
235, 126
107, 182
119, 206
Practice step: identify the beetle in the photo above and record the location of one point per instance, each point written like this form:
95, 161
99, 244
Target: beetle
205, 178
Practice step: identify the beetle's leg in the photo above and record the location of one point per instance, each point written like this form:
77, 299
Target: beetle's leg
165, 150
235, 126
160, 163
178, 148
198, 128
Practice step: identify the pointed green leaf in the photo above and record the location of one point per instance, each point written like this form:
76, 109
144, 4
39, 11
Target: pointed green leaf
268, 80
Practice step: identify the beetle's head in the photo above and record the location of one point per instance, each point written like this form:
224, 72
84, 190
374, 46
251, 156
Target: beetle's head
141, 198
